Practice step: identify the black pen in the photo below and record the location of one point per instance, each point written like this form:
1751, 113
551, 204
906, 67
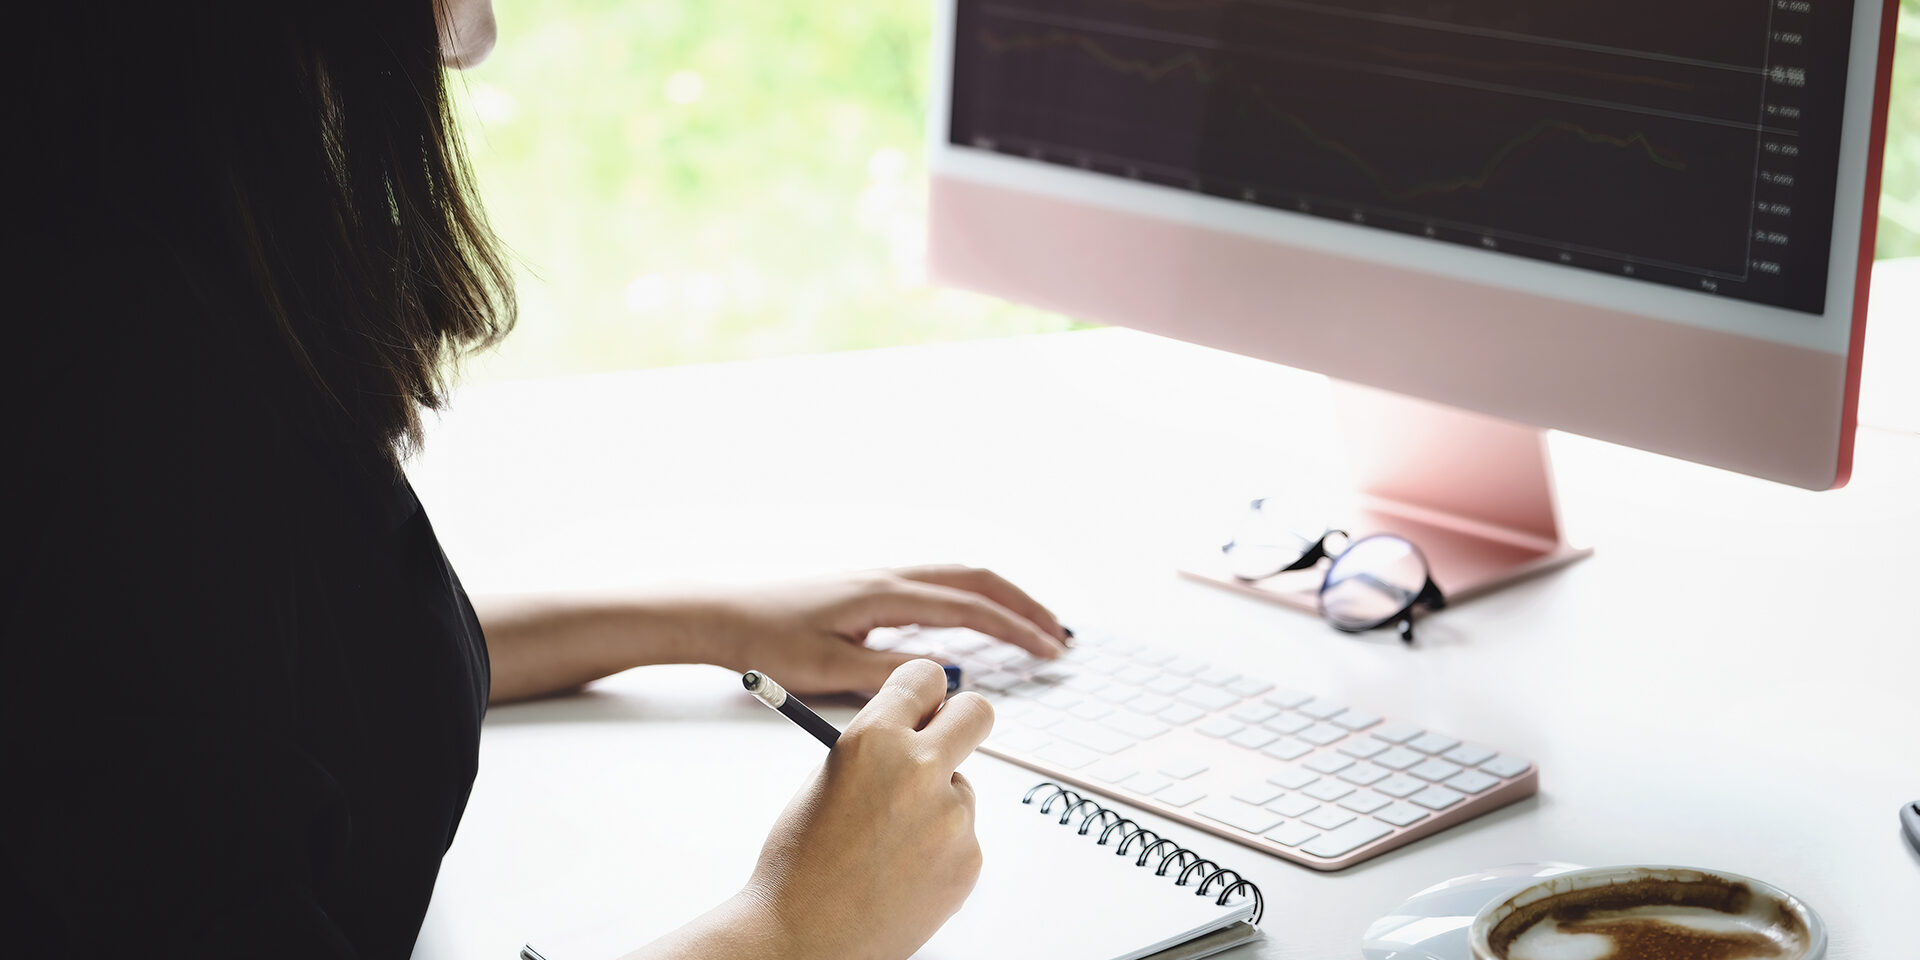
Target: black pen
777, 697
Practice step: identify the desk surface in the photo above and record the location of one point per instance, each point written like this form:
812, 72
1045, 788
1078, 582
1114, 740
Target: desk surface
1729, 682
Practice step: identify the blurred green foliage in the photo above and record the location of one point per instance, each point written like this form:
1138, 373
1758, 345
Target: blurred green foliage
1900, 184
695, 180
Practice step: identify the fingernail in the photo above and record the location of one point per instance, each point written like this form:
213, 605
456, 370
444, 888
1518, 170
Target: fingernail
1066, 631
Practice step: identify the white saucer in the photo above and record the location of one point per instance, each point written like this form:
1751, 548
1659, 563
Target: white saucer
1432, 924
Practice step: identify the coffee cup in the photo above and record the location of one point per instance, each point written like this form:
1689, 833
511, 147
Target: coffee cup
1617, 913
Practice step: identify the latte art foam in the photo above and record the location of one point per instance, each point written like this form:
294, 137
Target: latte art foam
1656, 932
1649, 914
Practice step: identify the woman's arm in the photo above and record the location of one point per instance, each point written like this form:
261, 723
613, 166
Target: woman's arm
542, 645
809, 633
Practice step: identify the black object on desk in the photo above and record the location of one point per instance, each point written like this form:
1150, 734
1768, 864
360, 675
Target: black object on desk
1910, 819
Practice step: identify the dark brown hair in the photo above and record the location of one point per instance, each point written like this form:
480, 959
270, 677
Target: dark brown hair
298, 160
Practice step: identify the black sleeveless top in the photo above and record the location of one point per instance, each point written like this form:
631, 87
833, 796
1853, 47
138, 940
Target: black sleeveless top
241, 691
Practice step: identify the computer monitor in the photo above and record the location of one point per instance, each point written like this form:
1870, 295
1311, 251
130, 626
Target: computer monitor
1642, 221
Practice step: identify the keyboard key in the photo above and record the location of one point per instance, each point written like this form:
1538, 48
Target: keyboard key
995, 681
1505, 766
1135, 674
1398, 758
1087, 682
1180, 794
1066, 756
1219, 726
1398, 731
1468, 754
1135, 725
1327, 818
1363, 801
1287, 723
1249, 687
1437, 798
1434, 769
1472, 781
1090, 710
1253, 738
1167, 685
1003, 655
1293, 805
1364, 774
1321, 709
1146, 784
1258, 793
1217, 676
1292, 834
1154, 656
1327, 790
1433, 743
1353, 836
1027, 688
1401, 813
1020, 741
1113, 771
1255, 713
1007, 708
1328, 763
1149, 703
1103, 663
1356, 719
1238, 815
1363, 747
1183, 769
1293, 778
1322, 734
1119, 692
1288, 699
1059, 699
1184, 666
1181, 713
966, 641
1096, 738
1401, 785
1208, 698
1287, 748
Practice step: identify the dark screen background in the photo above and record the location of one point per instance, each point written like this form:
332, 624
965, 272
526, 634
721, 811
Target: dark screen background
1687, 142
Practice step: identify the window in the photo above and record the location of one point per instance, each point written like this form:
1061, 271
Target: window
698, 180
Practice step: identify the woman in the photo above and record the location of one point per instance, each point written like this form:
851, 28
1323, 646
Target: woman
243, 687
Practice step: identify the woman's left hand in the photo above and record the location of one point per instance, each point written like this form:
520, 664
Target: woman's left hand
811, 634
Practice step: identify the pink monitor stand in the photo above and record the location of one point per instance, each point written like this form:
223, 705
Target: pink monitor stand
1474, 493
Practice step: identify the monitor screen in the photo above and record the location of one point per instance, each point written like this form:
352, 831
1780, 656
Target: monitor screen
1690, 144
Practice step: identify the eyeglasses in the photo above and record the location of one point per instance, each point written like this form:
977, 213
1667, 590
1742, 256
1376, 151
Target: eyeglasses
1373, 581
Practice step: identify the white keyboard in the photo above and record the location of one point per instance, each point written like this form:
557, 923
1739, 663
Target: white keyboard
1320, 783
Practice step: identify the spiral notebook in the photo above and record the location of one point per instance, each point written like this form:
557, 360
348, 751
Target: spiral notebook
1062, 877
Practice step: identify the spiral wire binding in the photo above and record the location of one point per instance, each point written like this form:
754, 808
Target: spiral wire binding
1190, 863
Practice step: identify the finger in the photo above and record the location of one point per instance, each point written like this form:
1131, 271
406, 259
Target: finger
909, 696
957, 730
932, 605
992, 586
964, 787
854, 667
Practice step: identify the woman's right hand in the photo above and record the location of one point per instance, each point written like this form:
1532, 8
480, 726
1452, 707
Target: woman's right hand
873, 855
878, 851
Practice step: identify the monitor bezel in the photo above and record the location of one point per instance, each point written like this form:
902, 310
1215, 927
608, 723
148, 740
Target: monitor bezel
1831, 331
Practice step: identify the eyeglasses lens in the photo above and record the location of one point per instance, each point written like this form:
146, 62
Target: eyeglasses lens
1372, 582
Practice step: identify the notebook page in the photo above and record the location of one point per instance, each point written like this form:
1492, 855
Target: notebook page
1047, 893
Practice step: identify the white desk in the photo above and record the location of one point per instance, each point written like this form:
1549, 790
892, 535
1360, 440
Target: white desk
1731, 681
